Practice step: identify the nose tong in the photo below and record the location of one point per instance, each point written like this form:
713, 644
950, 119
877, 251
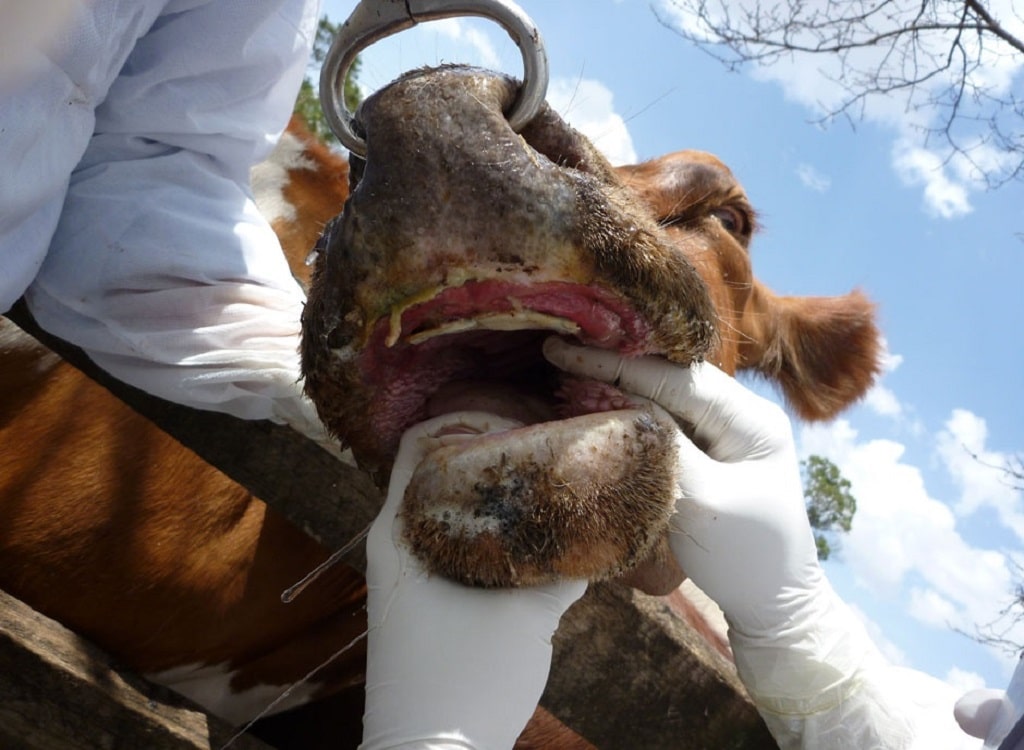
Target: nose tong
373, 20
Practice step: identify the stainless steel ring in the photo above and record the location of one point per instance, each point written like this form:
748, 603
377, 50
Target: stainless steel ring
375, 19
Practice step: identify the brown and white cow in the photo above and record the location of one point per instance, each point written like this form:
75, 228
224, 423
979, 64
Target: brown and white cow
118, 531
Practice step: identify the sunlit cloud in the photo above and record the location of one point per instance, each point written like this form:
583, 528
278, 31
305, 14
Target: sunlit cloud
588, 106
478, 41
881, 399
930, 607
979, 471
963, 680
899, 526
812, 178
889, 650
944, 195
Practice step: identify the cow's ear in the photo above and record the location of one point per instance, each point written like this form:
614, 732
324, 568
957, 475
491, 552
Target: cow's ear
823, 352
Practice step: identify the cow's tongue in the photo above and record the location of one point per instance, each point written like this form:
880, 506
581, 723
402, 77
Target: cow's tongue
512, 400
504, 399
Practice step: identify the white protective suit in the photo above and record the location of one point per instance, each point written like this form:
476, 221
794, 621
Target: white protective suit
126, 139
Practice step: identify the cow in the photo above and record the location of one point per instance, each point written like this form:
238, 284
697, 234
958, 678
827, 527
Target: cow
118, 531
463, 246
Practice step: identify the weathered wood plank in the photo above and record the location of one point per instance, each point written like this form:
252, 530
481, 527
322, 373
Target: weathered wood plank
59, 692
629, 673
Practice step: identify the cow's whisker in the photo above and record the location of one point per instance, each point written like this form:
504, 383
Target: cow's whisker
289, 594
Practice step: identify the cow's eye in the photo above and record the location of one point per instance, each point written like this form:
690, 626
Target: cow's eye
732, 219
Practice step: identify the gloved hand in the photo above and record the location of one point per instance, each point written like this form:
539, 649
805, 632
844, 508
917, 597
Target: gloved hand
997, 716
977, 710
449, 666
741, 533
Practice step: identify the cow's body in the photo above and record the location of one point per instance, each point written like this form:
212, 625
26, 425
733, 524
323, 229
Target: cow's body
119, 532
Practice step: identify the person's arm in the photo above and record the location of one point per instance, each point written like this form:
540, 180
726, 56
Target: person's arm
161, 268
741, 532
449, 667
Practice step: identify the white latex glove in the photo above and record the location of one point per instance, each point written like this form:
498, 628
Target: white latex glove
449, 666
995, 715
976, 711
741, 533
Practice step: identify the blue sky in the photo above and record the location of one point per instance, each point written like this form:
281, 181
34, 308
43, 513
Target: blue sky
936, 532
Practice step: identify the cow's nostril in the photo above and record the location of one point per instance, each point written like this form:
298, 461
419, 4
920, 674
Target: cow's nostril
558, 145
552, 138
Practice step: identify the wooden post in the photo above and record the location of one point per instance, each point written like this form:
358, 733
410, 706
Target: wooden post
59, 692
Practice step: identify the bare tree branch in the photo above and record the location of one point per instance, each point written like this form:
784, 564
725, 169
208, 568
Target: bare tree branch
999, 633
938, 55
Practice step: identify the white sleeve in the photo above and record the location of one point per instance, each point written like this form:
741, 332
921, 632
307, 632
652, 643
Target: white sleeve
54, 74
823, 685
891, 707
161, 267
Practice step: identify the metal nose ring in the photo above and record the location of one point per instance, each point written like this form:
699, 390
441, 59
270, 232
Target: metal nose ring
375, 19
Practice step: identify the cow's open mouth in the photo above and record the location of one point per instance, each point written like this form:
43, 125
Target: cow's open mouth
477, 346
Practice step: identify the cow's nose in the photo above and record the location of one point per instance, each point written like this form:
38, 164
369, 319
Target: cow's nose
375, 19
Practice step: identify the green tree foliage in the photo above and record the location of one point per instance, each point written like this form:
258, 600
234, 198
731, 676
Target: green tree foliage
307, 104
830, 504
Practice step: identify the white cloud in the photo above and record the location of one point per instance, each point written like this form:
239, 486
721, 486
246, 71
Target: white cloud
883, 401
889, 650
931, 608
904, 544
964, 681
587, 105
944, 196
977, 471
457, 30
812, 178
880, 399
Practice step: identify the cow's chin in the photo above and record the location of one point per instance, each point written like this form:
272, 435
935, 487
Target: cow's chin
470, 535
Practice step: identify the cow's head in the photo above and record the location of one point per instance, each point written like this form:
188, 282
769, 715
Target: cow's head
464, 245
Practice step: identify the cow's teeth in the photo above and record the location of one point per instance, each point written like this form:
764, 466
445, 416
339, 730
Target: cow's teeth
519, 320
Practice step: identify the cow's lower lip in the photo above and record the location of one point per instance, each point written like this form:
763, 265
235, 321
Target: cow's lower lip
524, 505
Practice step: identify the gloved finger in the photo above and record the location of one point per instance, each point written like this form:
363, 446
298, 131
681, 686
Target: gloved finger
976, 711
386, 554
421, 438
734, 422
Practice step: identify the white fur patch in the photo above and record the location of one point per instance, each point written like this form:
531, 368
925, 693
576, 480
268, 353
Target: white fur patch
14, 342
210, 687
270, 177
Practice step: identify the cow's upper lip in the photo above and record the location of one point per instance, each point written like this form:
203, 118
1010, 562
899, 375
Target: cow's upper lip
477, 346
